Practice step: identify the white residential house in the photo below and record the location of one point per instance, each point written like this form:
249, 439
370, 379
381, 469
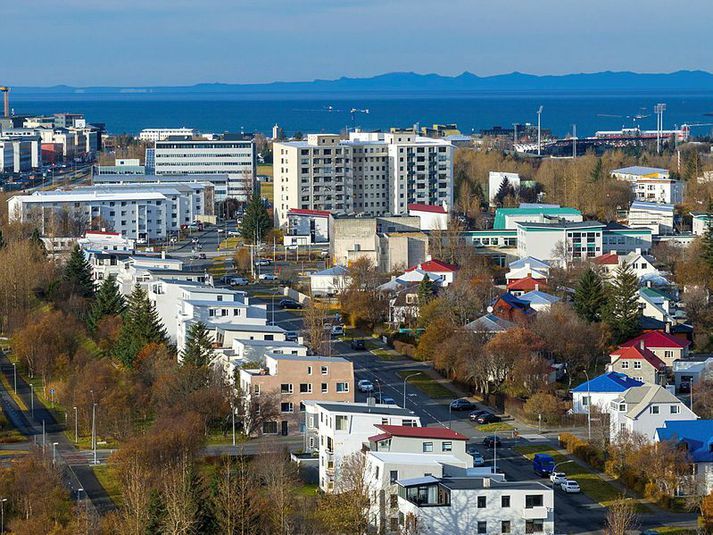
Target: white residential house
600, 391
106, 241
336, 430
641, 264
433, 217
700, 222
444, 271
560, 242
141, 270
539, 300
692, 370
659, 190
329, 282
637, 172
643, 409
658, 217
696, 437
450, 505
306, 227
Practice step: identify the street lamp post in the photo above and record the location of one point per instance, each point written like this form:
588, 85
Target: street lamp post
554, 468
2, 515
32, 400
406, 379
76, 426
14, 376
232, 411
54, 453
589, 408
94, 431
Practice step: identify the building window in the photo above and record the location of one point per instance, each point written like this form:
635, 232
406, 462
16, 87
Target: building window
427, 447
504, 501
324, 370
269, 427
482, 527
654, 409
624, 365
533, 500
286, 388
534, 526
585, 400
481, 502
447, 446
637, 364
394, 501
325, 388
675, 409
309, 370
393, 476
409, 423
287, 407
342, 387
505, 526
305, 388
341, 423
668, 354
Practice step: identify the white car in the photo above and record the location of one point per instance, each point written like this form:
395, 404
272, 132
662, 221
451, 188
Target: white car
557, 478
337, 330
239, 281
267, 277
477, 459
365, 385
234, 233
570, 487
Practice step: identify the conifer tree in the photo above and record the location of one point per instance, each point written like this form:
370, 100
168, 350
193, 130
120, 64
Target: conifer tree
108, 302
425, 290
198, 350
256, 221
36, 240
504, 190
78, 274
707, 240
141, 326
590, 296
597, 172
621, 312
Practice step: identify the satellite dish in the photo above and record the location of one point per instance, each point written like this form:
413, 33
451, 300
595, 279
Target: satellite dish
490, 310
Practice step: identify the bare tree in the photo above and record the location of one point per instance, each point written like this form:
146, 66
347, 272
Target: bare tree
135, 513
314, 325
180, 505
236, 501
621, 517
279, 476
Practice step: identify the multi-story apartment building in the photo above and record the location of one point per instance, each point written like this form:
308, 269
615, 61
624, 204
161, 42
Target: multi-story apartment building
160, 134
560, 242
372, 172
115, 175
337, 430
143, 212
230, 154
447, 505
297, 379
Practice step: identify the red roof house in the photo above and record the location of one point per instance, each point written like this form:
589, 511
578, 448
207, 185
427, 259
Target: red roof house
432, 208
665, 346
435, 266
527, 284
639, 363
434, 433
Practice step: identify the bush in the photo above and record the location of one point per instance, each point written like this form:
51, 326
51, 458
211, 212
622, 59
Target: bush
549, 406
406, 349
590, 454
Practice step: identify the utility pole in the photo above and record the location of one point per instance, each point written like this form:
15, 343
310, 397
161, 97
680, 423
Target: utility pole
659, 109
539, 131
32, 400
94, 431
76, 426
574, 141
14, 376
589, 408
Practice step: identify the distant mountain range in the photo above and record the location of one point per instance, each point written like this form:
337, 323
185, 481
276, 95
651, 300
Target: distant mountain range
409, 81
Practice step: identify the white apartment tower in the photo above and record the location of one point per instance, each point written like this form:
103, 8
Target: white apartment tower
372, 173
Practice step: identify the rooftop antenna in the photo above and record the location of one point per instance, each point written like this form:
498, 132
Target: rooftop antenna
539, 131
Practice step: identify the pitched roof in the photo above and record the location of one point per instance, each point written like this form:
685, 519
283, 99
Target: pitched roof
489, 323
416, 432
533, 262
514, 302
636, 353
608, 382
433, 208
522, 272
606, 259
534, 210
435, 266
334, 271
657, 339
638, 398
697, 434
640, 170
526, 284
540, 298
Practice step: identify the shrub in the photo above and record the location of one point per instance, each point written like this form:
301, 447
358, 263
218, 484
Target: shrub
589, 453
547, 405
406, 349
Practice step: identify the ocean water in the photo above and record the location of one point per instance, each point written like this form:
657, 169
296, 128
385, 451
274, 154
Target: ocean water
320, 112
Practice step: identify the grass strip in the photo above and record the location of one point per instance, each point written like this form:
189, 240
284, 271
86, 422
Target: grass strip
428, 385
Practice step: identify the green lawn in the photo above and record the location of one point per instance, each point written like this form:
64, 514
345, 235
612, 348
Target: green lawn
428, 385
307, 490
495, 427
108, 478
591, 484
383, 353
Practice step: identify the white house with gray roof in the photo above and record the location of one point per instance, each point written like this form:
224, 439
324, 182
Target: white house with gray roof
643, 409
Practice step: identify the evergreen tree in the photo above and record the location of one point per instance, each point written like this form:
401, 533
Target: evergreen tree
2, 240
707, 240
597, 172
36, 240
108, 302
256, 221
199, 347
425, 290
589, 296
504, 190
141, 326
621, 312
78, 274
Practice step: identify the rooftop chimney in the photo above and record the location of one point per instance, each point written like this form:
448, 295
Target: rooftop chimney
667, 327
486, 482
537, 287
642, 345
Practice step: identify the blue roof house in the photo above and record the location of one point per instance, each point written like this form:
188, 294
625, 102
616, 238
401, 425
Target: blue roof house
697, 437
602, 390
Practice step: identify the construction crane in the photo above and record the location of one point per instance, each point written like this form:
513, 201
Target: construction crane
5, 100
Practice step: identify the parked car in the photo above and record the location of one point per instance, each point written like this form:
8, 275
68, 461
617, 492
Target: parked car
491, 442
358, 344
463, 404
557, 478
234, 233
291, 336
365, 386
202, 256
263, 262
239, 281
290, 304
473, 416
570, 486
543, 464
267, 277
386, 400
337, 330
478, 459
488, 418
684, 387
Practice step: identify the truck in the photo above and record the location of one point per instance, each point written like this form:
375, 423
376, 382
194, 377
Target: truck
543, 464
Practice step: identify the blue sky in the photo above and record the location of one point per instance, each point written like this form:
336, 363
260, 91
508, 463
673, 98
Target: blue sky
162, 42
